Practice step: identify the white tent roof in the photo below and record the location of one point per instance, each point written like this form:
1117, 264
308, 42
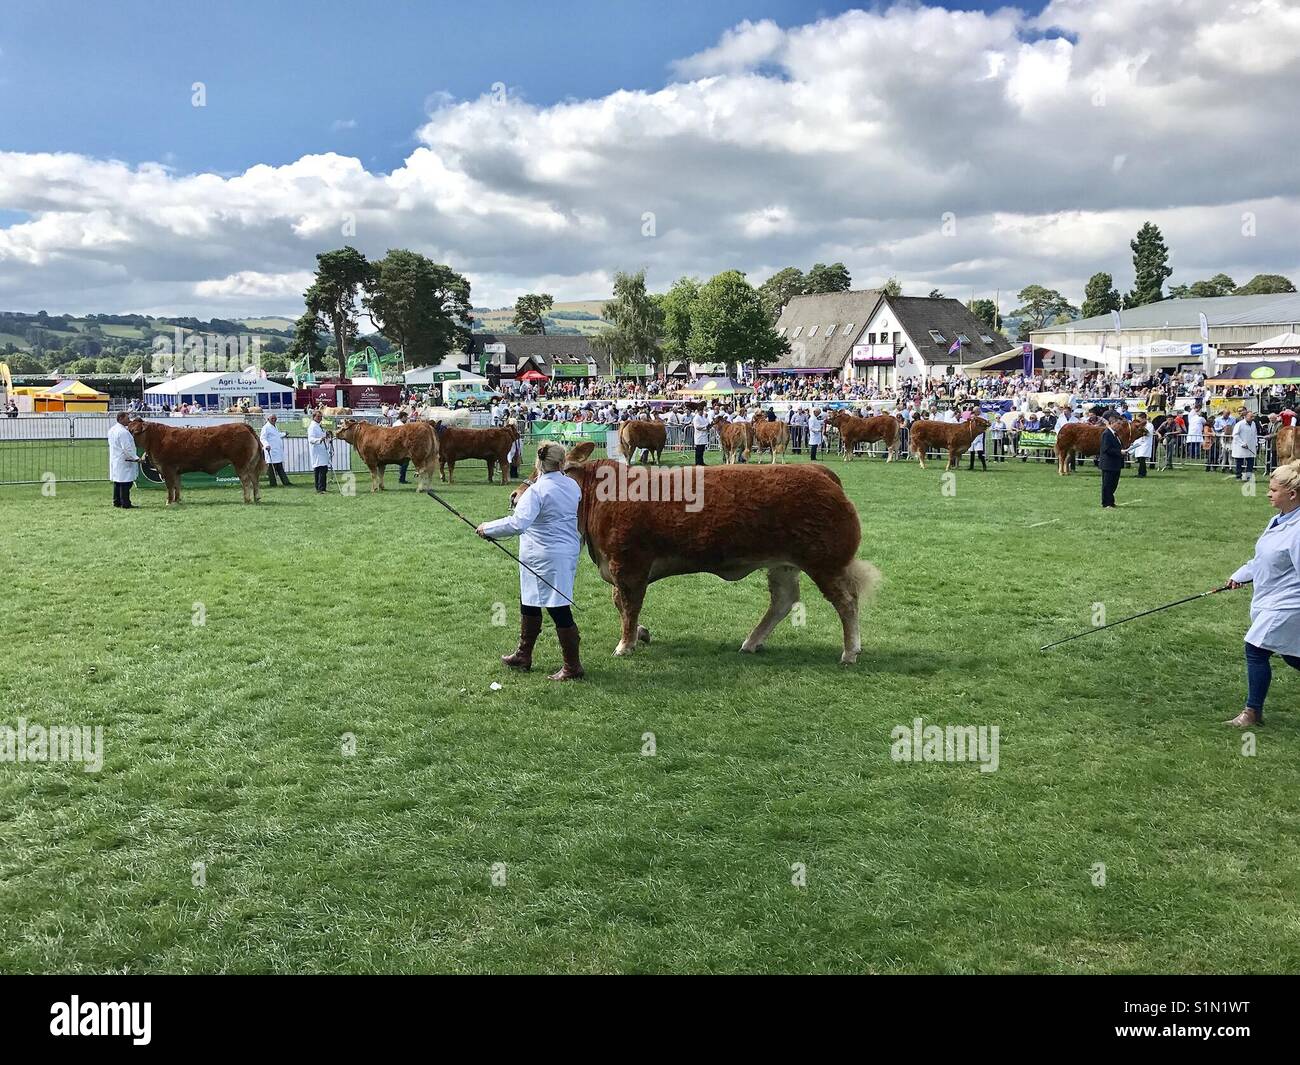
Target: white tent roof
225, 384
1282, 340
423, 375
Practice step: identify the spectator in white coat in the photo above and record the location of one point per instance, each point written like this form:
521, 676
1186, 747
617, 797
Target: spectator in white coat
816, 433
273, 448
318, 446
1144, 441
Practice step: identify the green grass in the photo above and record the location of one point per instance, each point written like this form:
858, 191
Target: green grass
374, 616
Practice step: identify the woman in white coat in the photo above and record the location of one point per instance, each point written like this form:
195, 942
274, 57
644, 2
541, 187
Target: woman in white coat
1144, 443
546, 522
1275, 602
122, 462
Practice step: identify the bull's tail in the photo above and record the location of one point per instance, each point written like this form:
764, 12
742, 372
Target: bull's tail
260, 468
865, 577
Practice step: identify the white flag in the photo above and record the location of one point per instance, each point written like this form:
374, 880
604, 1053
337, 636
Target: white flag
139, 374
1205, 326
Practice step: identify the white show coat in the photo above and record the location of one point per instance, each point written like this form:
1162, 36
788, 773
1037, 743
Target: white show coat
816, 428
320, 449
1142, 447
273, 442
121, 451
1245, 440
701, 425
1275, 596
546, 522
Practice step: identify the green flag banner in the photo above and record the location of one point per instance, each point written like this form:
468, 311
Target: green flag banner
1038, 440
577, 431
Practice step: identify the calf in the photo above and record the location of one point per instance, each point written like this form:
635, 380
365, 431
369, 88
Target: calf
652, 436
1079, 438
774, 435
382, 446
491, 444
956, 438
854, 430
736, 438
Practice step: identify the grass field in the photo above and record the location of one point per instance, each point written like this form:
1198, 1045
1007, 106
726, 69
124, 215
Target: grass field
376, 617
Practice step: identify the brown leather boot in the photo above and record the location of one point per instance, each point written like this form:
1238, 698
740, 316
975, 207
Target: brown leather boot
1248, 718
530, 627
572, 669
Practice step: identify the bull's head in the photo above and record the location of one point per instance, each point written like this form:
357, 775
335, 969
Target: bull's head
573, 463
978, 425
136, 427
346, 429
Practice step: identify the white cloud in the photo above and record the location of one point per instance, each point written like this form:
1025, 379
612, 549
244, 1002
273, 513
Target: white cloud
849, 138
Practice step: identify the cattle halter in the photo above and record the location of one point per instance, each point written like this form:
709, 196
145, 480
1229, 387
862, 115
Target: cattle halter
437, 498
1153, 610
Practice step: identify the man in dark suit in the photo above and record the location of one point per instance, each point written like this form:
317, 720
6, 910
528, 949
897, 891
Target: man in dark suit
1111, 459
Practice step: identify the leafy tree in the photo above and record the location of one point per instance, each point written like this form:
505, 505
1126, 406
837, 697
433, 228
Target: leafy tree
892, 287
275, 363
637, 322
1100, 296
107, 365
778, 289
340, 278
729, 324
935, 294
1265, 284
823, 278
1039, 305
530, 313
82, 366
1218, 285
1150, 266
420, 305
306, 338
22, 362
678, 308
986, 311
132, 363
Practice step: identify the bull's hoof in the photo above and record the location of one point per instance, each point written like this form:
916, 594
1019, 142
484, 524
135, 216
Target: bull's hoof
747, 648
847, 659
642, 634
623, 650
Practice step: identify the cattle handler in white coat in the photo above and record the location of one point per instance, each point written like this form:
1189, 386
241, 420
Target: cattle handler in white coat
273, 447
122, 463
1275, 603
319, 448
546, 522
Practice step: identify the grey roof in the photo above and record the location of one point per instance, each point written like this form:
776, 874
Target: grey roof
543, 350
1280, 309
919, 314
823, 310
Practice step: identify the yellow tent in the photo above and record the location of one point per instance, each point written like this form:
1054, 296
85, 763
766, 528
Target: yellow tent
70, 397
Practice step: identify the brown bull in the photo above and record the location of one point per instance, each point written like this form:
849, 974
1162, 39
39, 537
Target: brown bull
743, 518
774, 435
1079, 438
174, 451
651, 436
493, 445
381, 446
854, 431
1288, 444
736, 438
941, 436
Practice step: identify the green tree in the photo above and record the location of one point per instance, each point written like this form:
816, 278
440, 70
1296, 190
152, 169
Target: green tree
1265, 284
1100, 296
1150, 266
730, 325
823, 278
678, 308
1039, 305
132, 363
306, 338
25, 363
341, 276
104, 364
637, 322
892, 287
422, 306
986, 311
1218, 285
780, 288
82, 366
530, 313
935, 294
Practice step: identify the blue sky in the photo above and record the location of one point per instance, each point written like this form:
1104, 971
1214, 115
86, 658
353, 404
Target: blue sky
975, 150
112, 80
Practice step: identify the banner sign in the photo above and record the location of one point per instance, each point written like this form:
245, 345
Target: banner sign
569, 370
868, 353
634, 370
1038, 440
576, 431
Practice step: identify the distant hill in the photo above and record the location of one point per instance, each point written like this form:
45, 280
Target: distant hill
575, 318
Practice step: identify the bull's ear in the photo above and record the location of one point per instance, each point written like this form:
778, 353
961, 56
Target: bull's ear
580, 452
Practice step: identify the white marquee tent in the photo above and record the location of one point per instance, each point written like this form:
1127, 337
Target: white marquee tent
217, 391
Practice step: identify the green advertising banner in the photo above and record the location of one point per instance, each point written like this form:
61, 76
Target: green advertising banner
570, 370
1038, 440
578, 431
149, 477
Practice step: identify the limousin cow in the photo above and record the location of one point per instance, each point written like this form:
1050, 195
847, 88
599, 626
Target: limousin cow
493, 445
381, 446
787, 520
736, 438
1078, 438
956, 439
650, 436
854, 431
1288, 444
773, 435
174, 451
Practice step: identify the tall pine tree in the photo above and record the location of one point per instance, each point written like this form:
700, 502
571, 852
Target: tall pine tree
1150, 266
1100, 296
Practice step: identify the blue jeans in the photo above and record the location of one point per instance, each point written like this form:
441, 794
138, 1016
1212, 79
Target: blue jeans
1259, 672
